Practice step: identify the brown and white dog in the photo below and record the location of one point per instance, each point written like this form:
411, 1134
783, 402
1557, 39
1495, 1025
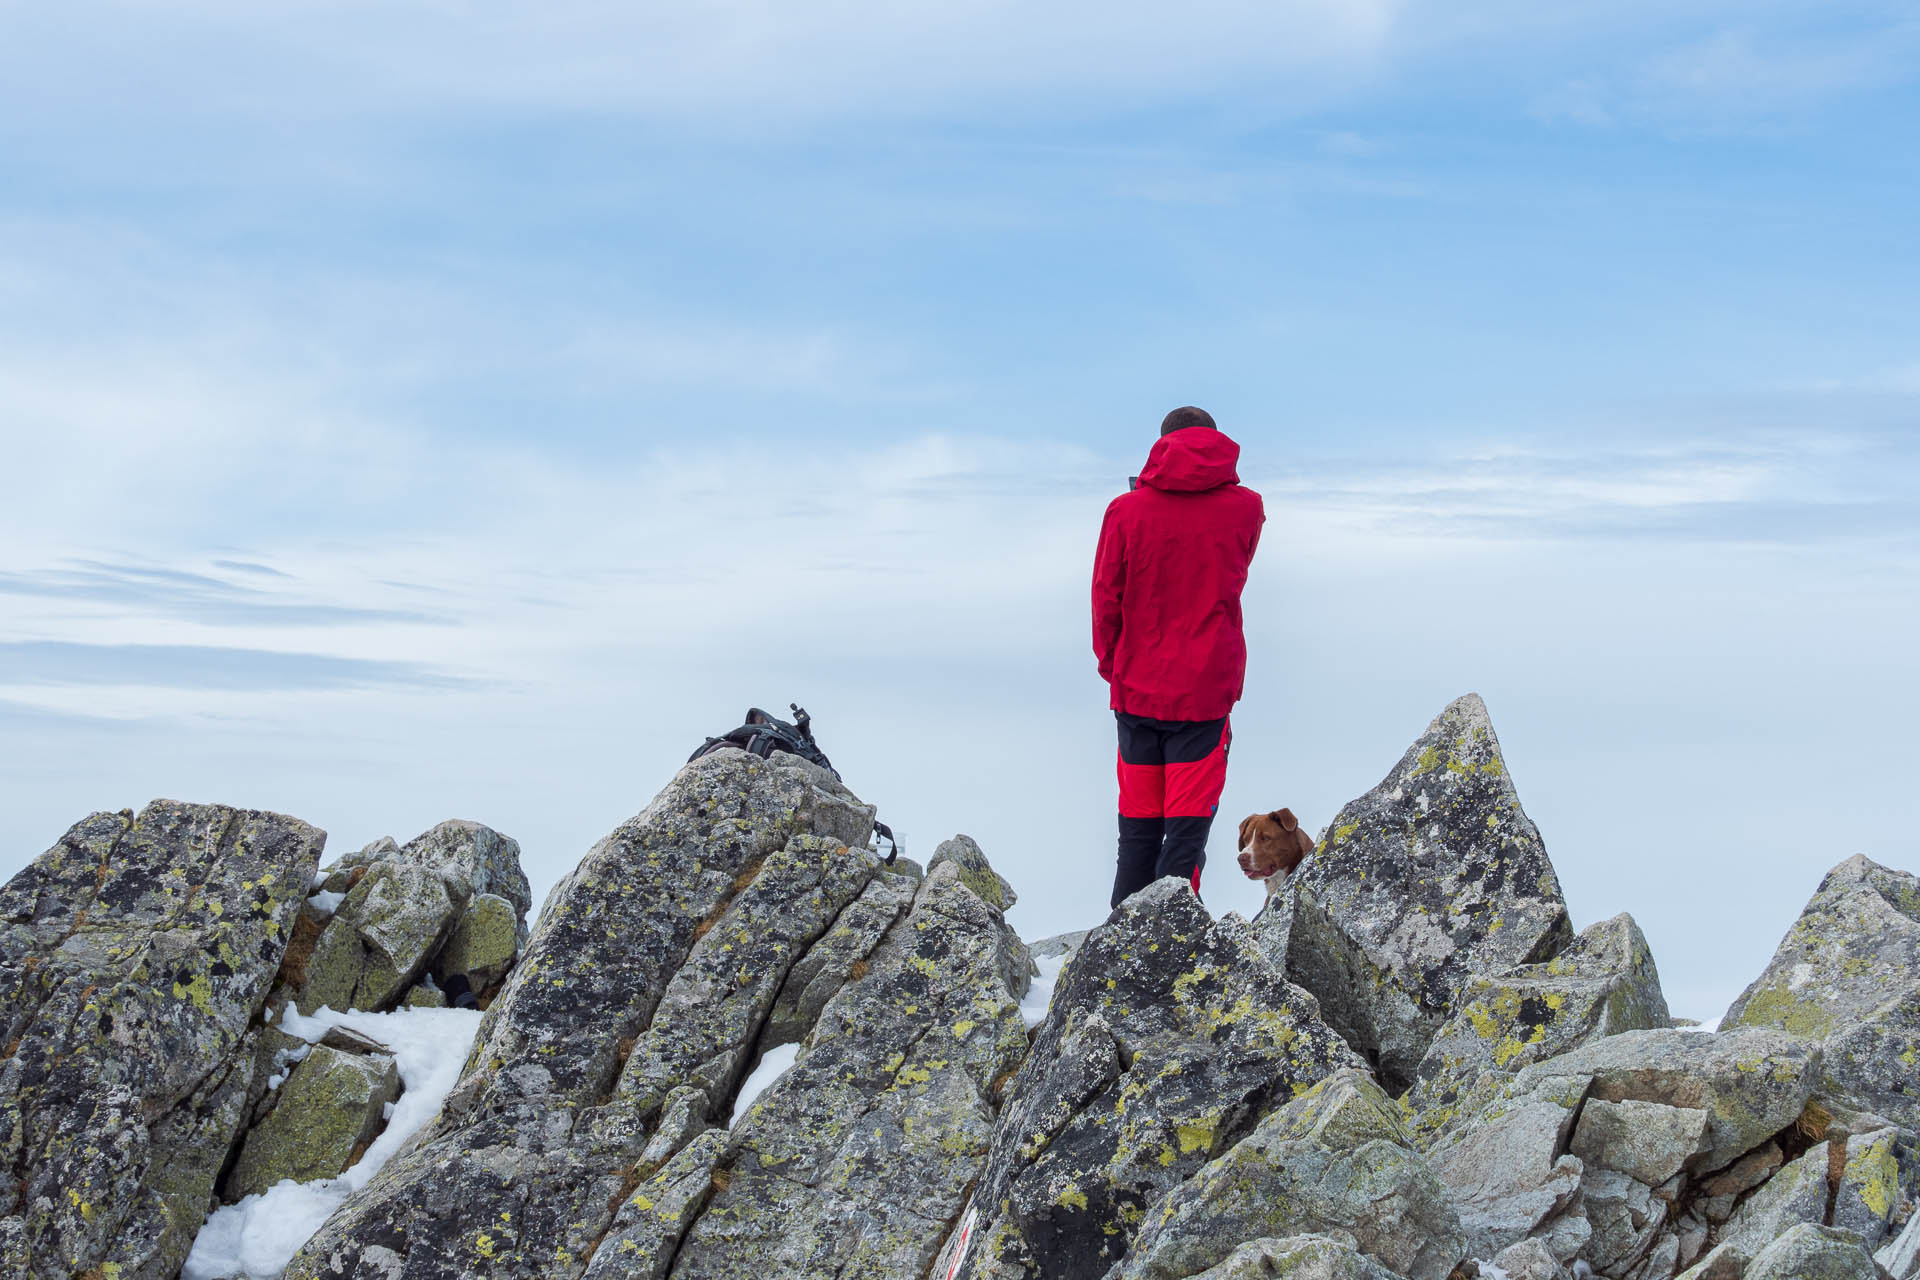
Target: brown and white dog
1272, 844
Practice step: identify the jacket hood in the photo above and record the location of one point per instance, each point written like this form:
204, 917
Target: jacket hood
1191, 460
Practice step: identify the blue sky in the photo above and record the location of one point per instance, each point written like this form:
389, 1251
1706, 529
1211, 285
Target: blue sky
418, 410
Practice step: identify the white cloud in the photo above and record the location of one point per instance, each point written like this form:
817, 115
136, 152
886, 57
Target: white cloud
697, 59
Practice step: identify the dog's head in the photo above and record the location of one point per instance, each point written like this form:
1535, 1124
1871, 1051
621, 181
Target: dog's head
1272, 843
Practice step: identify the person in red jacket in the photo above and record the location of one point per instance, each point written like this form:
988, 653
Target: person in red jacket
1167, 577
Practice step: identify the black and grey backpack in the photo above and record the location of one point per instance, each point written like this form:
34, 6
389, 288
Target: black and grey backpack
763, 734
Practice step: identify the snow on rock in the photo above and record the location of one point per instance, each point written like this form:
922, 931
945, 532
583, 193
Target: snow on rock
772, 1066
259, 1235
1040, 993
326, 903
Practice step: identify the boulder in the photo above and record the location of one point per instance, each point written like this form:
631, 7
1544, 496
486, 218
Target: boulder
1721, 1097
1168, 1038
483, 943
1529, 1260
1505, 1171
538, 1133
378, 940
1432, 878
1809, 1252
1650, 1142
134, 956
1336, 1159
453, 900
1751, 1083
1303, 1257
1847, 975
1601, 985
856, 1162
974, 871
330, 1108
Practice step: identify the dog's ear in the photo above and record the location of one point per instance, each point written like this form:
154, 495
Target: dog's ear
1285, 818
1246, 829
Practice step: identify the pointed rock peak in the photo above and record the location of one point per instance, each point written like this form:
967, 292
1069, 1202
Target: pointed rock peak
1459, 744
1434, 876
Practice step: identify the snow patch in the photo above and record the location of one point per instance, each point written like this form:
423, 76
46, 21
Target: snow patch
1709, 1025
326, 903
1040, 991
257, 1237
773, 1064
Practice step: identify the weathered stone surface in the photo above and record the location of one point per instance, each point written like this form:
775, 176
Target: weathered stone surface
1848, 975
1866, 1186
534, 1130
1625, 1219
1648, 1141
483, 943
1722, 1262
836, 958
1746, 1173
650, 1222
856, 1162
1168, 1038
1813, 1253
711, 1010
1529, 1260
1060, 944
1431, 878
1901, 1255
975, 872
1505, 1170
134, 955
1510, 1181
1603, 984
1752, 1083
1337, 1159
1304, 1257
378, 940
1878, 1183
331, 1106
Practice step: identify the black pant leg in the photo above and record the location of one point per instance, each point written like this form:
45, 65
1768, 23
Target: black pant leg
1140, 844
1185, 849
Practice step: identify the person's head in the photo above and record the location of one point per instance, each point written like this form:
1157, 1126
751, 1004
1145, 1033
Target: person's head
1185, 416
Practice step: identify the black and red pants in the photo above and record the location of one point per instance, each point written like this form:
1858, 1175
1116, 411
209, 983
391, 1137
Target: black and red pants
1171, 774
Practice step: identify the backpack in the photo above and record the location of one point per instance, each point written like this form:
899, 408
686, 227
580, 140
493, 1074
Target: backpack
762, 735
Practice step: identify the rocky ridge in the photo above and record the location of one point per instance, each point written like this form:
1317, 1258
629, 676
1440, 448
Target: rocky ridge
737, 1043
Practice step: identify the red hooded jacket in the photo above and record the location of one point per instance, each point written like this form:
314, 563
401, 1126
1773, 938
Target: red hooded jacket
1167, 577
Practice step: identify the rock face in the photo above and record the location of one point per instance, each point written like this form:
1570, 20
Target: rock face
1603, 984
1435, 876
134, 955
857, 1161
628, 1021
1848, 975
1169, 1038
